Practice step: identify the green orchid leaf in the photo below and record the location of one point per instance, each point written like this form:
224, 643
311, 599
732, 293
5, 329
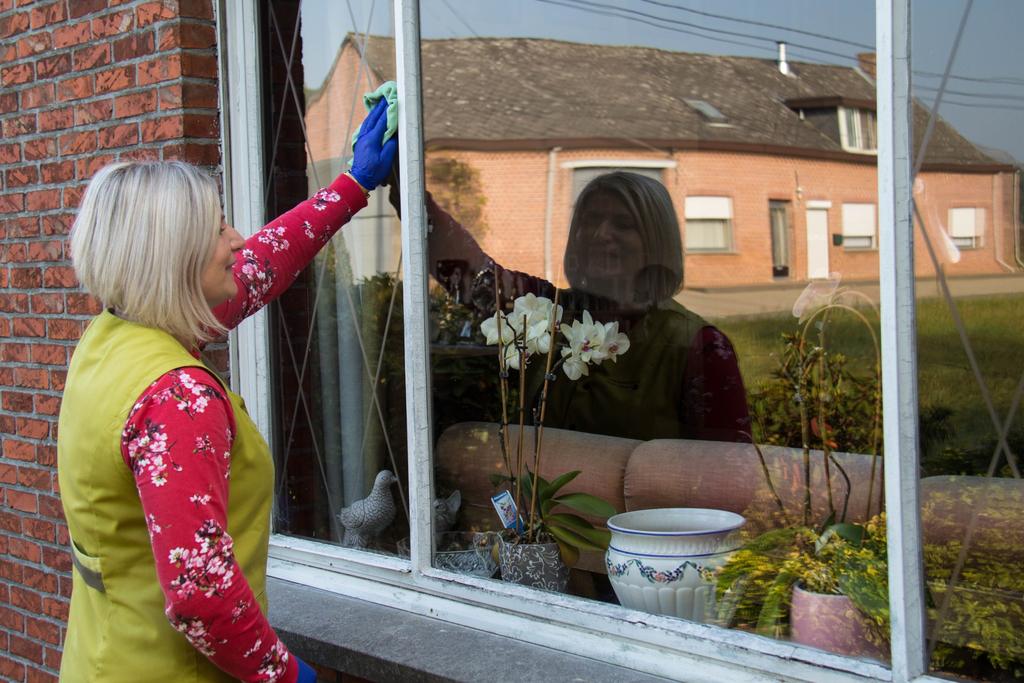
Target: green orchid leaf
569, 554
543, 487
561, 481
563, 535
568, 520
587, 504
580, 526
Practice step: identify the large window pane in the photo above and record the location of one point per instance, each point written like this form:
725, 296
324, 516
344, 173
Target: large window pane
969, 86
677, 180
336, 337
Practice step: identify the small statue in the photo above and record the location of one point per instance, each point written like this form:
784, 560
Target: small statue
445, 510
366, 518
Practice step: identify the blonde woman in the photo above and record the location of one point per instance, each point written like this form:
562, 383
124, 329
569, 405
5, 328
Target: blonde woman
165, 481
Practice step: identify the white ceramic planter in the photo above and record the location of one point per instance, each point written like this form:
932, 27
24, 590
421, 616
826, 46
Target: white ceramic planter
660, 560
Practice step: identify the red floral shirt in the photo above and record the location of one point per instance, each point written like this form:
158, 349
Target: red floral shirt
177, 442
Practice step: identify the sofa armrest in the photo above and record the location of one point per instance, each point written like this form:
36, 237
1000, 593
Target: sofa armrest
468, 454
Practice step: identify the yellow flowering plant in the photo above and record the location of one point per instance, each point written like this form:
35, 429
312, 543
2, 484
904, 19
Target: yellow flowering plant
754, 587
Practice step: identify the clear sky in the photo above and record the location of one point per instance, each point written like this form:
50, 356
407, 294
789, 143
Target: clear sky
984, 100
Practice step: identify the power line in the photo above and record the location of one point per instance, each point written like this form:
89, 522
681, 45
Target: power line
977, 95
999, 80
754, 22
978, 105
441, 22
649, 23
461, 20
626, 12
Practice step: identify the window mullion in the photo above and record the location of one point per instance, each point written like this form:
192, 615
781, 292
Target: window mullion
899, 340
241, 110
414, 286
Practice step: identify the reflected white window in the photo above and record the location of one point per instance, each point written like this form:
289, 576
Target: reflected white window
859, 226
708, 224
857, 130
584, 174
966, 226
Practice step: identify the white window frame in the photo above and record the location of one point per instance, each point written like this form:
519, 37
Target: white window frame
965, 237
855, 139
648, 643
710, 209
860, 226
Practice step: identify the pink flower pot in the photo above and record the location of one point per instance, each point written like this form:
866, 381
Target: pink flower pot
832, 623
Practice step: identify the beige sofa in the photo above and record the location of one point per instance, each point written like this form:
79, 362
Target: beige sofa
635, 475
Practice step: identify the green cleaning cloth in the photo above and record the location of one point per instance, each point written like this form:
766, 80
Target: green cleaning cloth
387, 91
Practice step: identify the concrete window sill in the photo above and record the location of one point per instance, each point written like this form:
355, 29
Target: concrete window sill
385, 644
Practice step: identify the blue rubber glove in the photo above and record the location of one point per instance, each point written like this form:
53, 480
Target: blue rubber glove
371, 161
306, 673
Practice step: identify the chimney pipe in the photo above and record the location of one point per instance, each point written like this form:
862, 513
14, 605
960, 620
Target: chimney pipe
783, 64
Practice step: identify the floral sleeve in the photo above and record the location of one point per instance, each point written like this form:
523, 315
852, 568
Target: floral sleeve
177, 442
273, 257
715, 400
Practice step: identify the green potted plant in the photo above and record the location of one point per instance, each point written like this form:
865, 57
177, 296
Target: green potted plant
822, 587
541, 540
786, 581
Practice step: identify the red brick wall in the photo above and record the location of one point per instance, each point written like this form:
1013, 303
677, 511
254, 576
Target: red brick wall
82, 83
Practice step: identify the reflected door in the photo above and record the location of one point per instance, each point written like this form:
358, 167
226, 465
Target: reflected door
817, 243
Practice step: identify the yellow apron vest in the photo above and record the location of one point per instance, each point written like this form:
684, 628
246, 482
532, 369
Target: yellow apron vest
117, 630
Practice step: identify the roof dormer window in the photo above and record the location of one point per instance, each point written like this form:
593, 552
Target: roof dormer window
857, 130
708, 112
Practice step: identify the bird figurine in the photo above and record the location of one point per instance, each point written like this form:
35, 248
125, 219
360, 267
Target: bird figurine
366, 518
445, 510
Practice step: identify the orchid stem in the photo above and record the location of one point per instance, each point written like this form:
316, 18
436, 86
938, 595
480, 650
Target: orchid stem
539, 423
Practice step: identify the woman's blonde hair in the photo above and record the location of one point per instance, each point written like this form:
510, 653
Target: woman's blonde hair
143, 234
651, 207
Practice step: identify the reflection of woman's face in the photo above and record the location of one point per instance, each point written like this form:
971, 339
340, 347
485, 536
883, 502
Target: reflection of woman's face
609, 243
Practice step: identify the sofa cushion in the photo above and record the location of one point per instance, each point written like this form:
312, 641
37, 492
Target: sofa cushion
730, 476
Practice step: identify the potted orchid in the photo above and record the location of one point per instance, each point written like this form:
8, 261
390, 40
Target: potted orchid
540, 544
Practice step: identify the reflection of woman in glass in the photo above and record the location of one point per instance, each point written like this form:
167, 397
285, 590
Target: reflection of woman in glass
624, 262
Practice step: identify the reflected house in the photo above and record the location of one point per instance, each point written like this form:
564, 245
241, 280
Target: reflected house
771, 164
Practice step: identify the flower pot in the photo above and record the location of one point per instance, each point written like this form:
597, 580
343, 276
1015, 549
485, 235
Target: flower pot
465, 552
832, 623
538, 565
660, 560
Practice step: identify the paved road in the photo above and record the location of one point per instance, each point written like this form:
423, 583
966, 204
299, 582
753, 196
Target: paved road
724, 303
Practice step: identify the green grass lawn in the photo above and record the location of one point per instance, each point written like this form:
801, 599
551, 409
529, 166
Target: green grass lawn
995, 329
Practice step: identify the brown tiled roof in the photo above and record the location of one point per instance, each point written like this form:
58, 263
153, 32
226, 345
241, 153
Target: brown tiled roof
513, 93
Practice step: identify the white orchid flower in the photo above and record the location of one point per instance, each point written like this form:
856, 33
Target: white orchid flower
490, 329
539, 344
536, 309
615, 343
512, 357
574, 367
585, 339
